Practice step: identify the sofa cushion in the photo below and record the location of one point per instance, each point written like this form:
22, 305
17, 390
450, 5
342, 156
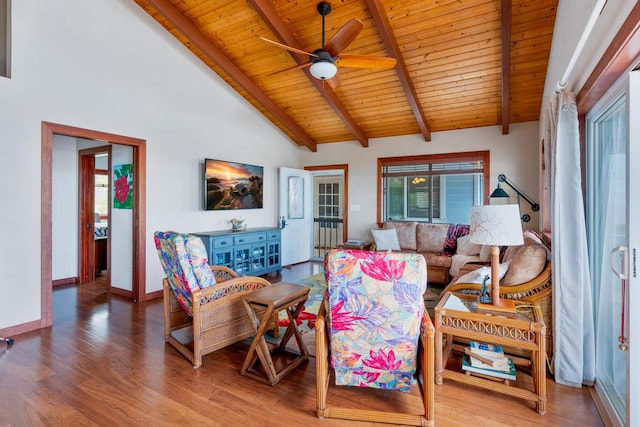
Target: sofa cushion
436, 260
526, 264
386, 240
197, 254
528, 237
406, 233
431, 237
465, 247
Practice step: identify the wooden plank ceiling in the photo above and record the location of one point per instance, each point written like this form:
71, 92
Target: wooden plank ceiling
451, 71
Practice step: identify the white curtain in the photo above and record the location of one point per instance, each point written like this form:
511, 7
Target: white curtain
574, 348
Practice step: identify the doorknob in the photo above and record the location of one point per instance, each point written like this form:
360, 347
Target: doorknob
88, 225
624, 252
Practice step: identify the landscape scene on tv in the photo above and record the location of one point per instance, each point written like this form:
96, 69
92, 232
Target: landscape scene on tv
232, 185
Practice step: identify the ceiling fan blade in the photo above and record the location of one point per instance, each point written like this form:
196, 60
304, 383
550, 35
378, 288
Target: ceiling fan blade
343, 37
296, 67
284, 46
366, 61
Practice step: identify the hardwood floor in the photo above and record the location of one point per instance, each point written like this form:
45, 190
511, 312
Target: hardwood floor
104, 362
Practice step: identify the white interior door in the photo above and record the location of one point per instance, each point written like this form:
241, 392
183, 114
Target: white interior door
296, 195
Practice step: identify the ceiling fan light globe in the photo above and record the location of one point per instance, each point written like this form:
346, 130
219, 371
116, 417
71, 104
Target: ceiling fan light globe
323, 70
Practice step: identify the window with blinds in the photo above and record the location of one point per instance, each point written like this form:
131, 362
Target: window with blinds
437, 188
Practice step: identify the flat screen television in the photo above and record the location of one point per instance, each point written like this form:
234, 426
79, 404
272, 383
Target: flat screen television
231, 185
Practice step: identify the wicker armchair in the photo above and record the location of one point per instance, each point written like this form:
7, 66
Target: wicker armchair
537, 291
203, 309
374, 331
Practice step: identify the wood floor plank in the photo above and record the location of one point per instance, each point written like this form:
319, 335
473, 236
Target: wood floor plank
105, 363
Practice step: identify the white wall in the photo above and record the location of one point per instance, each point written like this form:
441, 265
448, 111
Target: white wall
515, 155
64, 208
106, 65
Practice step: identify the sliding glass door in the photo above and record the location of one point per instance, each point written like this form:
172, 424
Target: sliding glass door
612, 175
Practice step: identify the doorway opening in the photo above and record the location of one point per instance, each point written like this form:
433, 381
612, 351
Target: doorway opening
138, 147
330, 198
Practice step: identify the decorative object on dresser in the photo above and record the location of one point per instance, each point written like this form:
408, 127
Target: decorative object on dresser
496, 225
203, 309
375, 291
253, 251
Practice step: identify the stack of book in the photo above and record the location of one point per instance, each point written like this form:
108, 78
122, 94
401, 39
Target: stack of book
489, 360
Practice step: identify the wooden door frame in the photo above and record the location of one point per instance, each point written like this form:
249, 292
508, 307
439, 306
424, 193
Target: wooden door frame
345, 197
48, 129
86, 246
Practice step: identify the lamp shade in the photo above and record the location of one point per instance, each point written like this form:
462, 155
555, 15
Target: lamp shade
499, 192
496, 225
323, 70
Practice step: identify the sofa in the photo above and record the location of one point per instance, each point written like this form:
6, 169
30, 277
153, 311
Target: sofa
436, 242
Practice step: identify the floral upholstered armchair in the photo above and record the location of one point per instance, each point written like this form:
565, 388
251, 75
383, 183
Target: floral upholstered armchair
374, 330
201, 301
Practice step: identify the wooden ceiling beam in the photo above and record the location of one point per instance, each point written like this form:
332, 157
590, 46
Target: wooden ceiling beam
268, 14
384, 27
204, 44
506, 62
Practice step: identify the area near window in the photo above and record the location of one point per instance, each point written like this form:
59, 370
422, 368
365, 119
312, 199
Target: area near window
438, 188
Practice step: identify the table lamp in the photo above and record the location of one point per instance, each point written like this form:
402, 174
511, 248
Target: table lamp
495, 226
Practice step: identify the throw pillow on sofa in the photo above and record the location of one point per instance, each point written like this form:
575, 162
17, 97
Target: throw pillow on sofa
406, 233
477, 276
386, 240
527, 264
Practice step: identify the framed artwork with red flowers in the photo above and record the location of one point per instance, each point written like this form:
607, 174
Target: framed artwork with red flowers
123, 186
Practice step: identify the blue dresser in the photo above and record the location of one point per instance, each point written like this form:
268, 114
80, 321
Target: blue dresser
252, 252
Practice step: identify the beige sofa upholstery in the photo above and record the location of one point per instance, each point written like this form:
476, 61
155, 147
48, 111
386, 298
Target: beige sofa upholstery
436, 242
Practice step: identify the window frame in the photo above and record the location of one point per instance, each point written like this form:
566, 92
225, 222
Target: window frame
468, 156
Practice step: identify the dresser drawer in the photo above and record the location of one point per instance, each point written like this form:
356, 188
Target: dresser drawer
273, 235
250, 238
222, 242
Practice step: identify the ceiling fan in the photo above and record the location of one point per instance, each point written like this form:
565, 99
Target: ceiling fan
324, 61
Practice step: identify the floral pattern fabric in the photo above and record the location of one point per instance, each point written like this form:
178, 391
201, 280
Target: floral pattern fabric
184, 260
375, 308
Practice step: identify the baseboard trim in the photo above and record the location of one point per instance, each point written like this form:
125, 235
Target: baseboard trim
606, 411
122, 292
65, 281
20, 329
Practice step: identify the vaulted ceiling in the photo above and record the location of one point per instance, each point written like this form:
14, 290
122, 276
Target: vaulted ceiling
460, 63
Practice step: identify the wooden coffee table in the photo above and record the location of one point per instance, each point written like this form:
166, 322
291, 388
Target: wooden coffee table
269, 301
521, 334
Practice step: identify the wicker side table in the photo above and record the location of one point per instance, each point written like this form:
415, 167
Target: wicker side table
272, 299
522, 333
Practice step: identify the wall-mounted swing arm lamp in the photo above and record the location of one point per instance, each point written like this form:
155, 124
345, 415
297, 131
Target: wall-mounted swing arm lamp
499, 192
